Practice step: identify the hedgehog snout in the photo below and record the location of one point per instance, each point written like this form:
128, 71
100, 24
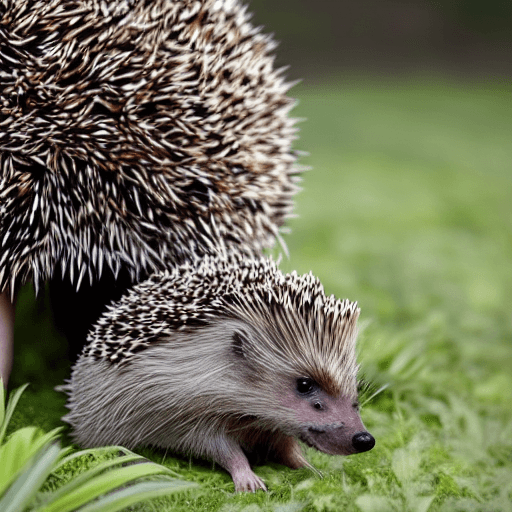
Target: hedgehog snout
338, 439
363, 442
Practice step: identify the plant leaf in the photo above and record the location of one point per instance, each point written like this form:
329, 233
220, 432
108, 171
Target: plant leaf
92, 451
102, 485
84, 477
137, 493
22, 445
6, 412
26, 486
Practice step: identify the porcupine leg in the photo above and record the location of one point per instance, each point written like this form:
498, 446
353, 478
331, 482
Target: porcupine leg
6, 336
231, 457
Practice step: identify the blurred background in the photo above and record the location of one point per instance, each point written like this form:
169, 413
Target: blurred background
324, 37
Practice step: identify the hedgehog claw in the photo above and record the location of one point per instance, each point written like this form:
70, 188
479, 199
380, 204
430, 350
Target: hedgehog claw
247, 481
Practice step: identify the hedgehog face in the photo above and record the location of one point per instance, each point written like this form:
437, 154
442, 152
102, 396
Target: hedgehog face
308, 409
331, 424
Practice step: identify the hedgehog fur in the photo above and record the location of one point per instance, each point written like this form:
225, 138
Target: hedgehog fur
218, 359
136, 133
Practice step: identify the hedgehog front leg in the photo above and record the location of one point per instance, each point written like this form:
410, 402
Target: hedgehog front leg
228, 453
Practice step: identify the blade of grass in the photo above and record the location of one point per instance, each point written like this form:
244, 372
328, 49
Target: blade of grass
6, 411
105, 449
102, 485
139, 492
92, 451
373, 395
21, 446
81, 479
25, 487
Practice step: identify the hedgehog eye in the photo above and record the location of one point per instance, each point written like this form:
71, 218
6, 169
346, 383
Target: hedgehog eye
305, 385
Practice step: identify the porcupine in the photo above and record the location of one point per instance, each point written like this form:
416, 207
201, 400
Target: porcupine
134, 134
220, 358
141, 136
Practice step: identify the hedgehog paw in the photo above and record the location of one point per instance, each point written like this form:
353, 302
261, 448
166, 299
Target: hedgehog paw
248, 481
228, 453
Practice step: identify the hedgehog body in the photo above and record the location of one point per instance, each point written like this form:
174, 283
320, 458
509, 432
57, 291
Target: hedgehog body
135, 134
220, 358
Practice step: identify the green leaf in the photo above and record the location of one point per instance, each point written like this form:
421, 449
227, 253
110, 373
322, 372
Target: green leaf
25, 487
102, 485
137, 493
6, 412
92, 451
103, 450
86, 476
19, 449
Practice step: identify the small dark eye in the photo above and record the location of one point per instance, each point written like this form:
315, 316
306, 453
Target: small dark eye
305, 385
355, 405
318, 405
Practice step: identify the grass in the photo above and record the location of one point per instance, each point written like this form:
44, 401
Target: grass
408, 210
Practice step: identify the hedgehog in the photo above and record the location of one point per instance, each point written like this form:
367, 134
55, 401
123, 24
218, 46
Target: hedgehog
225, 359
134, 135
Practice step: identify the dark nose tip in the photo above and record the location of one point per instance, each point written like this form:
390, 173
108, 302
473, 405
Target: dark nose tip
363, 441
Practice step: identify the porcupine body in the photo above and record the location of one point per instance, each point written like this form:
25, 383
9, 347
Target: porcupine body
220, 359
135, 134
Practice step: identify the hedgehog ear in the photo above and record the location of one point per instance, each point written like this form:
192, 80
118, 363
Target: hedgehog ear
238, 342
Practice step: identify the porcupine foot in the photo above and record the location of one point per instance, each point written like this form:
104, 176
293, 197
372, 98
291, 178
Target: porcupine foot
6, 336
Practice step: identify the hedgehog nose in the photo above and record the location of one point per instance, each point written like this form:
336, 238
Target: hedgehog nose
363, 441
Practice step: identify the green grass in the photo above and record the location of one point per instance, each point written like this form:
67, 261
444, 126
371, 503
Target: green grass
409, 211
